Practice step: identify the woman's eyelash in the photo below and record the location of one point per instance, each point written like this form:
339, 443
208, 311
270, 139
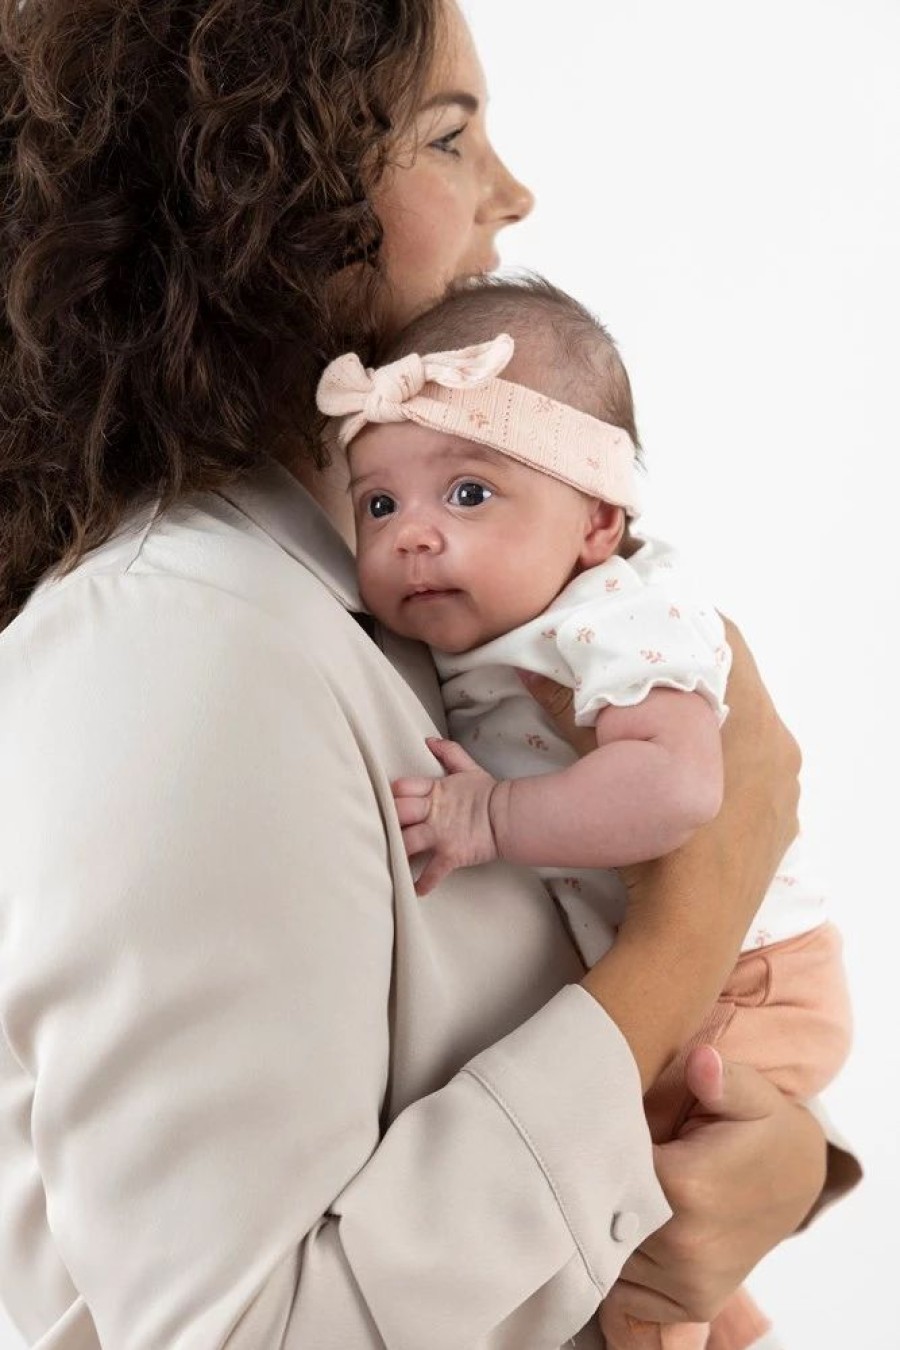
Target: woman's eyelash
445, 143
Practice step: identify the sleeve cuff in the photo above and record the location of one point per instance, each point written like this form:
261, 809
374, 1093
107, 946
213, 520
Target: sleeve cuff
568, 1084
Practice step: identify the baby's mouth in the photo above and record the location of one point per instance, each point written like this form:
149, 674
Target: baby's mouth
424, 594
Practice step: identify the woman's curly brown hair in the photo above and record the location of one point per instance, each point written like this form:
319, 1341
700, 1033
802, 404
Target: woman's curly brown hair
179, 181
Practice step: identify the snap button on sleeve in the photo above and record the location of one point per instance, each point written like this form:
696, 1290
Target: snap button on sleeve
624, 1227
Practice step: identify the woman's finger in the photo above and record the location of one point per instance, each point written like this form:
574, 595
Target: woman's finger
759, 749
726, 1089
635, 1300
680, 1289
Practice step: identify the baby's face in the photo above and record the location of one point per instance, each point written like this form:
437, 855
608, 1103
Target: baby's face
456, 542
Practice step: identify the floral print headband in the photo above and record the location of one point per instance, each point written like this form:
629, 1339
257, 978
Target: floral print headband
458, 392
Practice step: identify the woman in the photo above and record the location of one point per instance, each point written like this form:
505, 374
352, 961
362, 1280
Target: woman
254, 1092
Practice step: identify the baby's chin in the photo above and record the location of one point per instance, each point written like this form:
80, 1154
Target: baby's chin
435, 632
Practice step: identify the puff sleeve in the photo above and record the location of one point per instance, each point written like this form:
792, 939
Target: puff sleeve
641, 633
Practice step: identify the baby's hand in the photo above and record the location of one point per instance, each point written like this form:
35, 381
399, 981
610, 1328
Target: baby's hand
447, 817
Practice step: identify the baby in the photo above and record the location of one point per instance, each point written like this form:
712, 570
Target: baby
493, 521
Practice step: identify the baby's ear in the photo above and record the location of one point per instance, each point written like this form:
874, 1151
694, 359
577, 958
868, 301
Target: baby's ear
604, 528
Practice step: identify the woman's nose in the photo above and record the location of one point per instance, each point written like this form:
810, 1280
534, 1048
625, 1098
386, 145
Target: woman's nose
508, 200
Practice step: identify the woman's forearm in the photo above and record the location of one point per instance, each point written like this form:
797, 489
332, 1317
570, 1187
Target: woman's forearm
686, 918
688, 913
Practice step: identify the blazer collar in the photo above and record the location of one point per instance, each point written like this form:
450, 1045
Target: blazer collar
275, 502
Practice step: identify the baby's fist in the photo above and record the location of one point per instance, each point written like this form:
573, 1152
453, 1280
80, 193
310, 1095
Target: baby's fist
447, 817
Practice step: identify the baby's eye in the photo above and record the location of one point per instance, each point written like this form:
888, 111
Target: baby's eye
380, 505
470, 494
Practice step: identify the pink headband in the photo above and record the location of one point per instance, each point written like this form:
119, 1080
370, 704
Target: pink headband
459, 393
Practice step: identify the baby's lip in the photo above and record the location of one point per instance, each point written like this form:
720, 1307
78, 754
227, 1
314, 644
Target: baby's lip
424, 591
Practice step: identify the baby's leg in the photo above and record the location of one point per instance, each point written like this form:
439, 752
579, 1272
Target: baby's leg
784, 1010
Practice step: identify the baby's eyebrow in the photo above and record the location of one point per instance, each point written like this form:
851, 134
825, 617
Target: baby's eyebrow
483, 454
359, 478
456, 460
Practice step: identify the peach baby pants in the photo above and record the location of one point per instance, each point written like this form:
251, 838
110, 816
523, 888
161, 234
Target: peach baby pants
786, 1011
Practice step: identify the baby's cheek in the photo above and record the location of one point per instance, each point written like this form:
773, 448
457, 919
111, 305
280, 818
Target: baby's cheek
375, 584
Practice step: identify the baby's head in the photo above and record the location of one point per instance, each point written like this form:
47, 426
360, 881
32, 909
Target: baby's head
478, 498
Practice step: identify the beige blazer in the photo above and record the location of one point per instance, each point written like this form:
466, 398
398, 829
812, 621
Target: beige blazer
253, 1092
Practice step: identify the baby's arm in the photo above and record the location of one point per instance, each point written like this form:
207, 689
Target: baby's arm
655, 777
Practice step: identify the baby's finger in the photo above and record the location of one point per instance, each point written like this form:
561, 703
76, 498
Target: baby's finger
412, 787
418, 839
452, 756
432, 875
412, 810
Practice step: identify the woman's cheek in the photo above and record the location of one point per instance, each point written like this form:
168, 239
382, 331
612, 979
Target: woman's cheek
441, 230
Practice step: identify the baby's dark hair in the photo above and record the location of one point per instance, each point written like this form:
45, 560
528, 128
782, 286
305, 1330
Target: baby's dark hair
578, 361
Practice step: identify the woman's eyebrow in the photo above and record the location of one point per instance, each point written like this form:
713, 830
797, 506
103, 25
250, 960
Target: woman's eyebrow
468, 102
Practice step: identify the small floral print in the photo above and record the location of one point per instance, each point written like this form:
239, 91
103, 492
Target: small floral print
720, 655
573, 883
592, 463
585, 635
674, 612
537, 742
549, 634
654, 658
612, 583
478, 418
785, 879
762, 937
544, 403
464, 699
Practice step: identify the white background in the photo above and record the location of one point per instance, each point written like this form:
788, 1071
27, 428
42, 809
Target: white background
720, 182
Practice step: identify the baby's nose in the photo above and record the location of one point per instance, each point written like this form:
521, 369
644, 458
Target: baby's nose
419, 536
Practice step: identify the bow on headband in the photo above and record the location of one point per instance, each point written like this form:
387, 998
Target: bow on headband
358, 396
459, 393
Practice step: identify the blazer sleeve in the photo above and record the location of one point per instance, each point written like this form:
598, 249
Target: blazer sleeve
198, 932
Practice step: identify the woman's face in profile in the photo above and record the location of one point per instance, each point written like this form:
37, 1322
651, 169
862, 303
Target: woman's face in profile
447, 193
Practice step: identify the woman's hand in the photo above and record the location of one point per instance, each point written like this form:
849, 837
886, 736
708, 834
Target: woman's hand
739, 1181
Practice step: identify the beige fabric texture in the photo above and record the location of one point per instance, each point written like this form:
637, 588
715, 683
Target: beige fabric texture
254, 1093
